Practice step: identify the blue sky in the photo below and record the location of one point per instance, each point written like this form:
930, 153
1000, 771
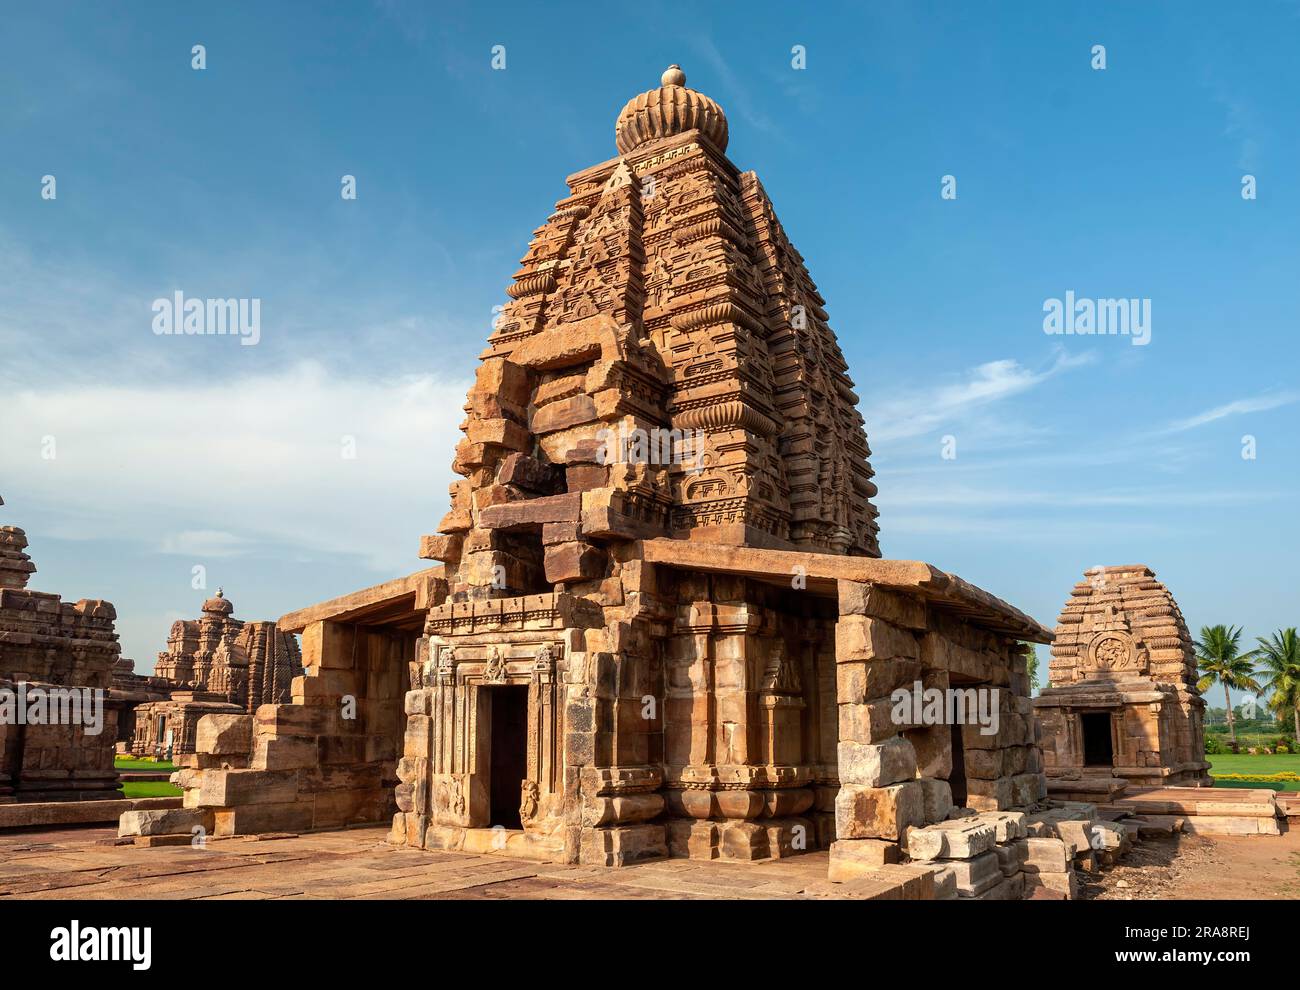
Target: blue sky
173, 452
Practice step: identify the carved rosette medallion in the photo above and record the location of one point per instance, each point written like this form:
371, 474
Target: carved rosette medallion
1115, 651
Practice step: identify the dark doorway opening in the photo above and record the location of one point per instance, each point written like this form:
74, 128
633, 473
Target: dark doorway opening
957, 779
509, 759
1097, 749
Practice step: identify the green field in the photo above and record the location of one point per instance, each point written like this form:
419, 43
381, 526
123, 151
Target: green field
1255, 765
148, 788
130, 763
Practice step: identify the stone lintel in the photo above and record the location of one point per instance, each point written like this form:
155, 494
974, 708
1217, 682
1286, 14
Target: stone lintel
381, 602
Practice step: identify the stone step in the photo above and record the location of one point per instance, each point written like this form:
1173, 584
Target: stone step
45, 813
1201, 802
1231, 825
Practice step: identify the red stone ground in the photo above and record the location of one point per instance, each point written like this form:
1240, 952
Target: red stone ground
84, 863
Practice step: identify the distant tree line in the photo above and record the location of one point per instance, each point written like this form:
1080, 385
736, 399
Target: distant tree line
1271, 671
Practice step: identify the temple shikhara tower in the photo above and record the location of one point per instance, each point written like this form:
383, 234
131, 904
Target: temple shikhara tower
1123, 704
659, 624
217, 664
660, 306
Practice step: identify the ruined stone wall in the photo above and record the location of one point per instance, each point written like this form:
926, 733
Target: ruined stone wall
898, 773
324, 760
709, 716
15, 565
47, 643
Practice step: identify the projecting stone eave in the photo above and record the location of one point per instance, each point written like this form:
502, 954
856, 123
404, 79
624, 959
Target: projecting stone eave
406, 597
821, 571
601, 171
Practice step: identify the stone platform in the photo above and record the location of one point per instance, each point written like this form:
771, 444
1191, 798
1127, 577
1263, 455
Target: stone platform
1207, 810
1099, 790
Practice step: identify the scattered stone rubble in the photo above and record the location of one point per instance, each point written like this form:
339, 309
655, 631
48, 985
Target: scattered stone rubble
1039, 853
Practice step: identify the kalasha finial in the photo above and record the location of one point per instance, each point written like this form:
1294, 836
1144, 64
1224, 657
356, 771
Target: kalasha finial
669, 110
219, 604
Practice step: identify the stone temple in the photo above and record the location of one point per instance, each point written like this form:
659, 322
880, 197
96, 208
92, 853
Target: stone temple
660, 624
1123, 704
59, 649
217, 664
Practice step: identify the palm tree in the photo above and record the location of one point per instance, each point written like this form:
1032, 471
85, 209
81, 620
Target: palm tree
1279, 658
1221, 660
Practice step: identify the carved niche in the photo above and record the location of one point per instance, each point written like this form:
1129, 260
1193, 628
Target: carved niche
495, 671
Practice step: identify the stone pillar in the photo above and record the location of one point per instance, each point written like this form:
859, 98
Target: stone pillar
881, 794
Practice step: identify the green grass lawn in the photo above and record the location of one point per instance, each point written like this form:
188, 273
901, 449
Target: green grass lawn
148, 788
130, 763
1242, 763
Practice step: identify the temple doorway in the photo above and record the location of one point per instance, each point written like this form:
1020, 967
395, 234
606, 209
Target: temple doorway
1097, 747
957, 778
509, 753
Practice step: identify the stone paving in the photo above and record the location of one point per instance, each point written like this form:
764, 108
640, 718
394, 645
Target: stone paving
358, 863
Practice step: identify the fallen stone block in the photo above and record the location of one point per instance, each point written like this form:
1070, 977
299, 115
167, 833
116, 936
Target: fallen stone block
1007, 825
974, 876
878, 812
169, 821
224, 735
1066, 885
1048, 855
952, 839
1012, 855
851, 858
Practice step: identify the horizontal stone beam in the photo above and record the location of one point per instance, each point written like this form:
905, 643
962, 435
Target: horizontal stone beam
821, 571
410, 593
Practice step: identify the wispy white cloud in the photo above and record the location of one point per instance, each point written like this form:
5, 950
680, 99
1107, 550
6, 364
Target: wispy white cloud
1001, 498
1242, 124
919, 411
206, 543
1259, 403
734, 94
241, 466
